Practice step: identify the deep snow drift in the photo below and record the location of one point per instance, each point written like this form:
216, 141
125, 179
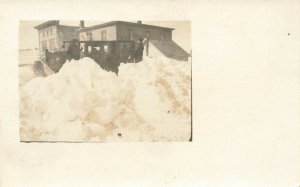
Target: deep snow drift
148, 101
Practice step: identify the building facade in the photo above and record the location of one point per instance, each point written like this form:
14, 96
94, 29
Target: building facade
121, 30
158, 39
52, 35
124, 31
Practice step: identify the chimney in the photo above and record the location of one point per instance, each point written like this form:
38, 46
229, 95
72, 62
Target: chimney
81, 24
139, 22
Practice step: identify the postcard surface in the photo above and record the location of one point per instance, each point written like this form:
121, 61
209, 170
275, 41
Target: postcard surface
150, 93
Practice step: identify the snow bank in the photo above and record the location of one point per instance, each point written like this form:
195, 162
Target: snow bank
148, 101
28, 56
25, 74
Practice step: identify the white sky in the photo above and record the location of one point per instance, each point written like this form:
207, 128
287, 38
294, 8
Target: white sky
28, 36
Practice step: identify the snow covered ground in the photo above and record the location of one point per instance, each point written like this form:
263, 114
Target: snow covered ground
28, 56
26, 61
148, 101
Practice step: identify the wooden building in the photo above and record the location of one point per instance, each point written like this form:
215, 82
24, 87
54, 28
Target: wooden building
121, 30
52, 35
159, 39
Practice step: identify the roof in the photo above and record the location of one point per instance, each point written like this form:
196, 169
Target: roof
47, 24
53, 23
170, 49
111, 23
70, 27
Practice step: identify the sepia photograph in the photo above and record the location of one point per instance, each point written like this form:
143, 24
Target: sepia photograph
105, 81
150, 93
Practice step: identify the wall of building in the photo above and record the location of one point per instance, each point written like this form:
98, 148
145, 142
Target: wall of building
52, 37
123, 33
96, 34
47, 38
66, 33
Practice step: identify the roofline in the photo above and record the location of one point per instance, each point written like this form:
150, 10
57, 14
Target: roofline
53, 23
48, 23
111, 23
69, 26
102, 41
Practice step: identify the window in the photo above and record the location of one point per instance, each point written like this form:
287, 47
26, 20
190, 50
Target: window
125, 49
89, 36
89, 49
43, 33
44, 45
109, 48
148, 34
162, 36
103, 35
51, 32
131, 33
52, 44
47, 32
82, 37
41, 47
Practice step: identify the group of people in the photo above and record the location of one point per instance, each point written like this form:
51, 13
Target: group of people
105, 58
75, 52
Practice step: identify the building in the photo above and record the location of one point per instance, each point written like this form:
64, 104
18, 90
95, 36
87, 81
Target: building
52, 35
121, 30
159, 39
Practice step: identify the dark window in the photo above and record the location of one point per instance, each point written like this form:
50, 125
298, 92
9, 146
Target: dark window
125, 49
162, 36
44, 45
90, 36
131, 33
82, 37
148, 34
52, 44
103, 35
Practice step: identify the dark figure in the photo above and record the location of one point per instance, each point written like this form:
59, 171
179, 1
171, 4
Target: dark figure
46, 55
93, 54
74, 50
38, 69
109, 60
139, 51
82, 53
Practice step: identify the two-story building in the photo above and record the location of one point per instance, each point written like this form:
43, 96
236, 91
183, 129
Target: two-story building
52, 35
159, 39
121, 30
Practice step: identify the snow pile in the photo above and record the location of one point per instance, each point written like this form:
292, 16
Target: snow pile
25, 74
162, 95
148, 101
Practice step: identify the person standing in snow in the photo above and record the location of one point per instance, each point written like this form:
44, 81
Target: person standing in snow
82, 53
74, 50
139, 51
